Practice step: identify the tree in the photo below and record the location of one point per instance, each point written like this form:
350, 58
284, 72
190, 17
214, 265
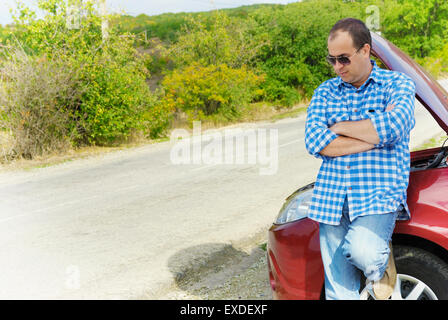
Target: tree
418, 27
227, 41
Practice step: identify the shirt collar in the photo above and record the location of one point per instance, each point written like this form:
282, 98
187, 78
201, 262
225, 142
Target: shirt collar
374, 75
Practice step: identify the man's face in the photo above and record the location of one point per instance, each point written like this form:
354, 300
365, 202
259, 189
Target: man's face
359, 68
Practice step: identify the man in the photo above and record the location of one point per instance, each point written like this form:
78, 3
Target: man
359, 123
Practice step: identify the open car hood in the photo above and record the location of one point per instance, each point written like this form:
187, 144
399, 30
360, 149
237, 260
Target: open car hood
428, 91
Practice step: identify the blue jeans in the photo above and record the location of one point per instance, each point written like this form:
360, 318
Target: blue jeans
352, 247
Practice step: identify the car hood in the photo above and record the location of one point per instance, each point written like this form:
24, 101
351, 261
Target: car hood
428, 91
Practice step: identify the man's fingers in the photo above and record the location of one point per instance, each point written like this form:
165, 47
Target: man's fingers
390, 107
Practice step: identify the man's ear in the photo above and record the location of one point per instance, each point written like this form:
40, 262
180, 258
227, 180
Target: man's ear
366, 50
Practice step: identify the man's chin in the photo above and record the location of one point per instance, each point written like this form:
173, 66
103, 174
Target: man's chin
346, 79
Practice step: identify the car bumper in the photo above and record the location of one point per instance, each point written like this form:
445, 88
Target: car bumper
294, 261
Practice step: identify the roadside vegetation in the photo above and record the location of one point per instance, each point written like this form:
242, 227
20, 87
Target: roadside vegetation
65, 85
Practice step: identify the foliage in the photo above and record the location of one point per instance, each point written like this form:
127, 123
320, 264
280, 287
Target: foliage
164, 26
5, 34
111, 73
227, 41
37, 97
420, 28
115, 93
158, 56
202, 92
168, 26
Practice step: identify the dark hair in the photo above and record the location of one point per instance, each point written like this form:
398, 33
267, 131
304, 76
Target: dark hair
356, 28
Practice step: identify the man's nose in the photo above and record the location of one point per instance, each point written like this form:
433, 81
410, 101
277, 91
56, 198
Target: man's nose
338, 65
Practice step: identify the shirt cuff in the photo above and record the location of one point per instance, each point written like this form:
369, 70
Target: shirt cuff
379, 123
326, 138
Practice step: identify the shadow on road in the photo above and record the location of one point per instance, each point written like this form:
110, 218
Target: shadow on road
221, 271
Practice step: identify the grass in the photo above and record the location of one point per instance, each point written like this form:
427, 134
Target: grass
289, 114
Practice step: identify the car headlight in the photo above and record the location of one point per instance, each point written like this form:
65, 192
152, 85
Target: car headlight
296, 205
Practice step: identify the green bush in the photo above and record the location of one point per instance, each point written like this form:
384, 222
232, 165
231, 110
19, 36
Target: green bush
157, 120
217, 92
115, 93
227, 40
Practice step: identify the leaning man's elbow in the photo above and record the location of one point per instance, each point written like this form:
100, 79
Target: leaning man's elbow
327, 152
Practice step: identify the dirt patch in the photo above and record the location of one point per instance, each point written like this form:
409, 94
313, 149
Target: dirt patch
245, 278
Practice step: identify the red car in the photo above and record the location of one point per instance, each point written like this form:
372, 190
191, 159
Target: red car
420, 245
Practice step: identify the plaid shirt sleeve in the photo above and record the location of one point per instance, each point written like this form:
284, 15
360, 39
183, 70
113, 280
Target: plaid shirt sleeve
317, 134
395, 124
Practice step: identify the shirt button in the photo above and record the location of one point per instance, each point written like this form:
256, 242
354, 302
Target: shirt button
355, 110
348, 167
349, 188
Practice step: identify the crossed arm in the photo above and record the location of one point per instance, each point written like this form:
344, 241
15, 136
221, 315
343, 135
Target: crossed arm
354, 137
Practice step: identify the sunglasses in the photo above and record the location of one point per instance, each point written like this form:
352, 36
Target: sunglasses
341, 59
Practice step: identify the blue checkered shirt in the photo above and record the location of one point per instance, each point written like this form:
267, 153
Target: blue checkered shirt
374, 181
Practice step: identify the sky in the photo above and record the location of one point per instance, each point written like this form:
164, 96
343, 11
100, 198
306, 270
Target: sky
149, 7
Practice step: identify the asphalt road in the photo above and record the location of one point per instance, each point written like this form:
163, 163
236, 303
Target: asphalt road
128, 224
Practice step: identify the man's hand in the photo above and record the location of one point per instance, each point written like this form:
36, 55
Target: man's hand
390, 107
361, 130
342, 146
